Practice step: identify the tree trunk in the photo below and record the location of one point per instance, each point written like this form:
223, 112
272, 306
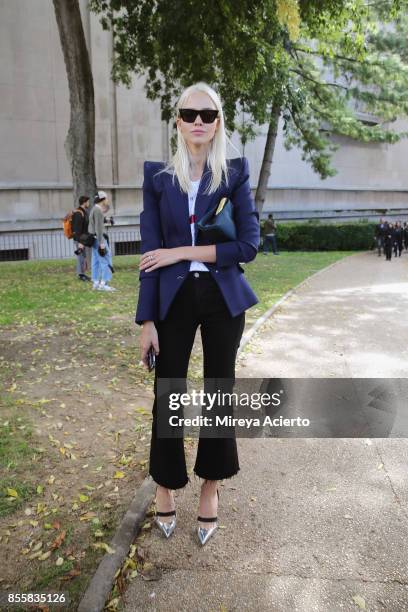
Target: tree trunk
80, 142
267, 158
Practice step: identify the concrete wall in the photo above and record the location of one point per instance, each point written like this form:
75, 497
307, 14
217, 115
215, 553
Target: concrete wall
35, 177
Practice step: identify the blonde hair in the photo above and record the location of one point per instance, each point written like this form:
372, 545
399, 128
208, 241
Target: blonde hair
179, 164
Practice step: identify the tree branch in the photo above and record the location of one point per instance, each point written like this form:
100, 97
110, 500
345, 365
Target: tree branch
338, 57
309, 78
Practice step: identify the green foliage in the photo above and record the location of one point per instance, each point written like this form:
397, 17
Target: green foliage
319, 236
321, 62
288, 15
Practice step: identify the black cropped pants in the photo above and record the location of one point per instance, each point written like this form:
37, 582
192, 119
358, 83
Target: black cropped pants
198, 302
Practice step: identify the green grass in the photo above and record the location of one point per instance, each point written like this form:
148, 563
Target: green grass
14, 446
48, 292
15, 452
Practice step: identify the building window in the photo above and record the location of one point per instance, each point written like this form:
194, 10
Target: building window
13, 254
129, 247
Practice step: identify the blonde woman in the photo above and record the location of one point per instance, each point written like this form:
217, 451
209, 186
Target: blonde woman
184, 286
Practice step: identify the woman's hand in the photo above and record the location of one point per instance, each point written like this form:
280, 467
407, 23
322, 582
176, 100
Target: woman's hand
151, 260
148, 338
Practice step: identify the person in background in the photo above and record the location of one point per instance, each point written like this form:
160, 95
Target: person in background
80, 221
379, 236
398, 239
270, 235
101, 252
388, 239
405, 235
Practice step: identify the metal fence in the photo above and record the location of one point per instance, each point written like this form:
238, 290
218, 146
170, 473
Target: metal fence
19, 246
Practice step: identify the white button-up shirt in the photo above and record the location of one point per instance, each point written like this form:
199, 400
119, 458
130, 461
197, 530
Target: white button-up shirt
192, 195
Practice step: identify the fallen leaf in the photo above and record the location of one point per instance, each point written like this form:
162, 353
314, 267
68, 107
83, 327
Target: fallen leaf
71, 574
44, 556
105, 546
58, 540
359, 601
87, 516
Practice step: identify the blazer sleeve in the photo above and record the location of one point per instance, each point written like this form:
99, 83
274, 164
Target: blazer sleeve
151, 238
246, 217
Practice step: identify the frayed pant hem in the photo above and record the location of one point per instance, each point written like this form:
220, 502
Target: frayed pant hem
214, 477
168, 484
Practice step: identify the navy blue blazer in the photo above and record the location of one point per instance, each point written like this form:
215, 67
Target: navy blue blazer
164, 223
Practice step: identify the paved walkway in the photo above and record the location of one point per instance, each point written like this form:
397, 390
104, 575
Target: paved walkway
350, 321
307, 524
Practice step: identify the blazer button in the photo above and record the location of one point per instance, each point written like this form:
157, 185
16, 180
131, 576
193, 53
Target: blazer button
217, 271
196, 274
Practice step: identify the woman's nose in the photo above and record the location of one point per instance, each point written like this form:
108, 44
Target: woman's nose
198, 120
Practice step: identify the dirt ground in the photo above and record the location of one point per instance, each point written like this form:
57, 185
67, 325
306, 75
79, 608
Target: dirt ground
84, 411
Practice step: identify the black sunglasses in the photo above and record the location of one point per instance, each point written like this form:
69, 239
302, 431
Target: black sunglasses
189, 115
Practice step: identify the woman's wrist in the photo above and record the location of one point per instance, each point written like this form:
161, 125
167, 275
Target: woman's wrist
203, 253
184, 252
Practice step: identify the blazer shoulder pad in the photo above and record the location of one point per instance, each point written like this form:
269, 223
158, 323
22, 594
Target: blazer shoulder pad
151, 170
238, 165
151, 167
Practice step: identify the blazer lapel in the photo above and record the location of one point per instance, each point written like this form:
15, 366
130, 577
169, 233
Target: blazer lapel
204, 201
178, 205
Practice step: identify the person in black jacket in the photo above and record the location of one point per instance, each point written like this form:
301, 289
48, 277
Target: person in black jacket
405, 235
80, 221
388, 241
379, 235
398, 239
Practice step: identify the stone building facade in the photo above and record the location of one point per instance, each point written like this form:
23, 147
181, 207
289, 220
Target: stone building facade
35, 178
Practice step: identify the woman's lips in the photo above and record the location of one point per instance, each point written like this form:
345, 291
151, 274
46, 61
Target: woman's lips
197, 132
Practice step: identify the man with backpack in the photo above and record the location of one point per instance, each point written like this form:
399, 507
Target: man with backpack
79, 224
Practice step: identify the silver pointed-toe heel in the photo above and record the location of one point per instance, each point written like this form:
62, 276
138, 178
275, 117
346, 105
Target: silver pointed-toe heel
205, 534
166, 527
